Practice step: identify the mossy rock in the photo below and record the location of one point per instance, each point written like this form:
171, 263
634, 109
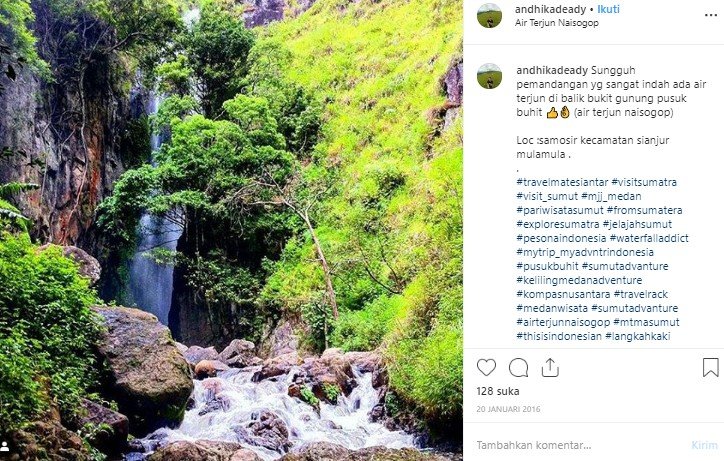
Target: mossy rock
148, 376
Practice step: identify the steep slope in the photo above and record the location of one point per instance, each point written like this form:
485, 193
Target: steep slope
389, 73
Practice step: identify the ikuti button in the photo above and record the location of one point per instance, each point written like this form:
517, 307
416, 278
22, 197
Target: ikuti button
711, 367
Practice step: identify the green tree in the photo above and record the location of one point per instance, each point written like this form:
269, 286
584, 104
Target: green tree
217, 47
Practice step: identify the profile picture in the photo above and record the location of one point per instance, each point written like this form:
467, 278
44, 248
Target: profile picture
489, 15
489, 76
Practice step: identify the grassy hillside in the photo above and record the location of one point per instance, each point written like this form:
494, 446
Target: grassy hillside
393, 227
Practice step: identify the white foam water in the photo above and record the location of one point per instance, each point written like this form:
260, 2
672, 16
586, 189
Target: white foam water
346, 423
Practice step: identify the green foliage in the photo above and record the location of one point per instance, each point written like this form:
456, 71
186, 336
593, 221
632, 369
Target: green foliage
138, 24
21, 395
46, 331
118, 214
308, 397
393, 226
298, 113
429, 372
217, 48
318, 317
365, 329
10, 217
135, 145
17, 42
174, 77
331, 392
172, 110
88, 37
215, 178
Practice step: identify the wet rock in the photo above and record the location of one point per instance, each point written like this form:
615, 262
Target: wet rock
239, 354
110, 434
333, 425
213, 399
135, 446
218, 404
380, 378
196, 354
75, 173
377, 413
263, 12
325, 388
245, 455
365, 362
280, 340
200, 450
146, 373
294, 391
88, 266
332, 368
320, 451
267, 430
324, 451
209, 368
182, 348
370, 362
277, 366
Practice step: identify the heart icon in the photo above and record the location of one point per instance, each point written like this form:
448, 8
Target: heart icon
486, 366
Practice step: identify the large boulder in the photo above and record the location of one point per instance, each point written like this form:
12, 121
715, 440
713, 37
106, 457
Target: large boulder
109, 429
365, 362
239, 354
245, 455
324, 451
148, 376
266, 430
203, 450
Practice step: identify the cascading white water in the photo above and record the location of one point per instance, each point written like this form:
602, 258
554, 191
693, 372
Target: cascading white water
151, 284
346, 423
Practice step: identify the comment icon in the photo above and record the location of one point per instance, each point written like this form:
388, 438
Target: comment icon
518, 367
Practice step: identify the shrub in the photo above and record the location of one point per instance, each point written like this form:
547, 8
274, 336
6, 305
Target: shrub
309, 398
365, 329
46, 332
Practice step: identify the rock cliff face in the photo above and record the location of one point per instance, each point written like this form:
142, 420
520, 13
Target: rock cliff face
262, 12
66, 137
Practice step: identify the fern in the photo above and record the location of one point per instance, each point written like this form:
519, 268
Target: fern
8, 213
12, 188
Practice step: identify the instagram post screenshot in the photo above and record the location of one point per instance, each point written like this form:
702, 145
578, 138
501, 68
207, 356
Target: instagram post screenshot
231, 230
260, 230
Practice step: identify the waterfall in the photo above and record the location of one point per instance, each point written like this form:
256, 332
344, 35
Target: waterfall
346, 423
150, 284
